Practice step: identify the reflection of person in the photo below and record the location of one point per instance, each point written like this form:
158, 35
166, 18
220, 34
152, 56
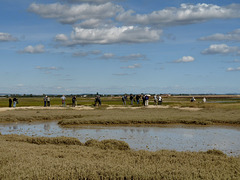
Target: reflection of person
48, 101
15, 101
10, 102
63, 100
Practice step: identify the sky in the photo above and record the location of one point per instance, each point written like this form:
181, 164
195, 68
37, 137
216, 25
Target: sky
119, 46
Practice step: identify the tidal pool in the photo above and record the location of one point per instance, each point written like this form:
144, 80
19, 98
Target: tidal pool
171, 137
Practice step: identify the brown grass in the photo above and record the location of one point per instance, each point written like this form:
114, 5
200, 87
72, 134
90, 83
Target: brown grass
126, 116
27, 160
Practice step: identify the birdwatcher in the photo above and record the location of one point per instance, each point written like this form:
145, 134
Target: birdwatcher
63, 101
10, 102
48, 101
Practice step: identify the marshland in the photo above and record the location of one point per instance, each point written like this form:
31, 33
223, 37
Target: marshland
25, 156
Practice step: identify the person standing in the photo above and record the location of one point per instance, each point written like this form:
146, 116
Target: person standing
10, 102
143, 99
146, 100
204, 100
48, 101
131, 99
45, 101
137, 98
15, 101
63, 101
159, 100
124, 98
155, 99
74, 99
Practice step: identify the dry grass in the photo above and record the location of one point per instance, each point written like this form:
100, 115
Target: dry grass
156, 116
26, 160
126, 116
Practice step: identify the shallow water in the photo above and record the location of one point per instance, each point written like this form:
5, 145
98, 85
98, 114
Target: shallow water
177, 137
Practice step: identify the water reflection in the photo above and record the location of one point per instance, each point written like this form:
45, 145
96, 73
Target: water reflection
180, 138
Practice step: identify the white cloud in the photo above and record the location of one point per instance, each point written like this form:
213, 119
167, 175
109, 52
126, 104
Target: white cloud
6, 37
132, 66
186, 14
71, 14
133, 57
52, 68
88, 1
231, 36
234, 69
185, 59
33, 49
125, 34
220, 49
61, 37
108, 56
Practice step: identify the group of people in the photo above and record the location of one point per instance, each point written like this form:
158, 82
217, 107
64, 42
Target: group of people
145, 99
13, 101
193, 100
46, 100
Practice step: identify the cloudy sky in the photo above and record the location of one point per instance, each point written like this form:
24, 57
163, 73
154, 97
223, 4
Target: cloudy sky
119, 46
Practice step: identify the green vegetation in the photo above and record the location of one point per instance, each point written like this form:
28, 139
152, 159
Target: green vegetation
23, 159
181, 101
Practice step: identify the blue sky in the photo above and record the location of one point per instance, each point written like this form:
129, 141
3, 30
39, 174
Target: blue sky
119, 46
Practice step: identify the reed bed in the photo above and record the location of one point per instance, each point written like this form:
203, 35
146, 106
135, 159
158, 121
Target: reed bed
22, 159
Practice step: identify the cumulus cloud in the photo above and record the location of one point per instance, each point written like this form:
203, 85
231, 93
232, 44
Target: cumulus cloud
185, 14
71, 14
132, 66
231, 36
33, 49
61, 37
220, 49
234, 69
125, 34
4, 37
185, 59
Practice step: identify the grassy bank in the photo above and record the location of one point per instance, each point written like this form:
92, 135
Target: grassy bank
21, 158
126, 116
182, 101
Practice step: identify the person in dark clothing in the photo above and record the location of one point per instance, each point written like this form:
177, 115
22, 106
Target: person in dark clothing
131, 99
74, 98
137, 98
143, 99
10, 102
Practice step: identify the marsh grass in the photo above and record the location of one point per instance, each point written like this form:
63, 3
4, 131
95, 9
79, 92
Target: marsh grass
126, 116
26, 160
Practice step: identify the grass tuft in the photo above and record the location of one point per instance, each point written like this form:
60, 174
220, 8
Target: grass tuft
108, 144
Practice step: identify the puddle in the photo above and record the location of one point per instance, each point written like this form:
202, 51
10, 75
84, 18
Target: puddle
180, 138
